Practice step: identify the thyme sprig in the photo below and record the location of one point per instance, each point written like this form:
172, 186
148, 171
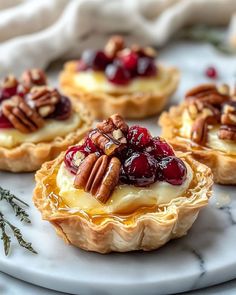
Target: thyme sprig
18, 210
206, 34
21, 213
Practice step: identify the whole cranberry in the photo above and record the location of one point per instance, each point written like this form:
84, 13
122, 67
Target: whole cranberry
138, 137
4, 122
62, 110
211, 73
7, 92
129, 60
146, 67
96, 60
117, 74
90, 147
159, 148
73, 157
139, 170
172, 170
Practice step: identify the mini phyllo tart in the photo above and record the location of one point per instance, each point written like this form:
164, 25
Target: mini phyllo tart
127, 80
205, 125
36, 122
121, 189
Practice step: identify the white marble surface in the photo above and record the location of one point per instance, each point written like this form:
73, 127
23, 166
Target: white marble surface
206, 256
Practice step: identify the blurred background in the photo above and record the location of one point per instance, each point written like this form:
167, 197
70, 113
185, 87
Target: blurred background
36, 33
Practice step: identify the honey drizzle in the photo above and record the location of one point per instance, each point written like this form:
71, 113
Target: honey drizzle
57, 205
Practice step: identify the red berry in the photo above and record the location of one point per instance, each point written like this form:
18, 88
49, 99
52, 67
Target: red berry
159, 148
146, 67
138, 137
7, 92
139, 170
172, 170
96, 60
73, 157
129, 60
22, 90
117, 74
4, 122
90, 147
75, 154
63, 109
211, 73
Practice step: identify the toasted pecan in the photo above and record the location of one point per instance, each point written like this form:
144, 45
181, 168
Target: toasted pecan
44, 99
202, 109
33, 77
98, 176
227, 132
207, 93
114, 45
199, 131
109, 135
9, 82
228, 116
22, 117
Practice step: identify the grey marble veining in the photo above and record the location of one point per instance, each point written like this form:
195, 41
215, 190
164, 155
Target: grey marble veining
206, 256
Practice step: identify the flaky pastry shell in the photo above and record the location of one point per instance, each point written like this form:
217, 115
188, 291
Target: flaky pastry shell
221, 164
139, 231
29, 157
134, 105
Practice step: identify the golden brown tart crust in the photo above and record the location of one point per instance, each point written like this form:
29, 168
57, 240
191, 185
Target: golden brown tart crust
29, 157
221, 164
130, 105
140, 231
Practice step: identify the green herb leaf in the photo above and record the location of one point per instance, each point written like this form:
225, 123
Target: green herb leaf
20, 239
19, 211
4, 237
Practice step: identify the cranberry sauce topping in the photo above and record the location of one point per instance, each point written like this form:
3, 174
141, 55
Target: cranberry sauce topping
144, 160
120, 64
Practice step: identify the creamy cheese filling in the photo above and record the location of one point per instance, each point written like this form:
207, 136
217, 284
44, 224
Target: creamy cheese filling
125, 198
10, 138
213, 140
97, 81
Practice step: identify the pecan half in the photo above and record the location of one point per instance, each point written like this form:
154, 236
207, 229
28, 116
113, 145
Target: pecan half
44, 99
114, 45
227, 132
109, 135
22, 117
207, 93
146, 51
98, 176
228, 116
33, 77
9, 82
199, 131
202, 109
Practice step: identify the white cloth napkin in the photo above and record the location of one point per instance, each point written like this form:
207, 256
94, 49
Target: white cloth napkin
34, 33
